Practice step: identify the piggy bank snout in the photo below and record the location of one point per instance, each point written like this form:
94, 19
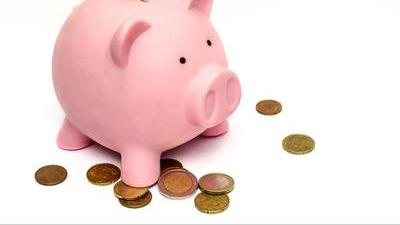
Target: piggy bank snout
215, 93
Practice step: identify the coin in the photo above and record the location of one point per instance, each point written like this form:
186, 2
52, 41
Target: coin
177, 184
103, 174
123, 191
167, 164
139, 203
269, 107
216, 183
51, 175
211, 204
298, 144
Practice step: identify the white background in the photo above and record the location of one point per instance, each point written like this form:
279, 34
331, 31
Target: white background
333, 64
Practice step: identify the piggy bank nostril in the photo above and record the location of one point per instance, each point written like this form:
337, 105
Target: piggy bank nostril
209, 104
232, 91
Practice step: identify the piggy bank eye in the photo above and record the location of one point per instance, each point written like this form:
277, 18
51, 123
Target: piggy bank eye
209, 43
182, 60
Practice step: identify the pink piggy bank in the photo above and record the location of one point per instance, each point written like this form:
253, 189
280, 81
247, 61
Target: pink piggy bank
142, 77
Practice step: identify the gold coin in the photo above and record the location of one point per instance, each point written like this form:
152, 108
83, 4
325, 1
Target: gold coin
216, 183
123, 191
103, 174
269, 107
139, 203
51, 175
298, 144
177, 184
211, 204
167, 164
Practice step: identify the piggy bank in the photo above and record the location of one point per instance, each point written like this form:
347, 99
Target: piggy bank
140, 78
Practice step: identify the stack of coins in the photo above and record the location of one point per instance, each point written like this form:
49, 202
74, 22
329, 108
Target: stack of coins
215, 188
176, 182
132, 197
105, 174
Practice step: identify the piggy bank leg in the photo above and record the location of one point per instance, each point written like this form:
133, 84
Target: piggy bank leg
140, 168
70, 138
218, 130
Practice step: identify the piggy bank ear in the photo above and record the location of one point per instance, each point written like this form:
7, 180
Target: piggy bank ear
204, 6
124, 38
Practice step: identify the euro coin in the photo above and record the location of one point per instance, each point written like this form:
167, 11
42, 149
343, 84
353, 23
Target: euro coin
103, 174
269, 107
51, 175
177, 184
125, 192
139, 203
216, 183
211, 204
298, 144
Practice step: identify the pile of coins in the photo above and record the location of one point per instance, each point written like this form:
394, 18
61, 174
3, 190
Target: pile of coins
297, 144
175, 182
215, 188
132, 197
178, 183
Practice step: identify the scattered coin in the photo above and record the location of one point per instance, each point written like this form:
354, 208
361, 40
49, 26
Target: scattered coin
167, 164
125, 192
51, 175
103, 174
177, 184
139, 203
298, 144
211, 204
216, 184
269, 107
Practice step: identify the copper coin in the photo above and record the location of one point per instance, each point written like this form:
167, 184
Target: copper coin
269, 107
211, 204
216, 183
51, 175
177, 184
123, 191
103, 174
139, 203
167, 164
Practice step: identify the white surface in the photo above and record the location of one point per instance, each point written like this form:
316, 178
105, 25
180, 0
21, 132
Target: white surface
333, 64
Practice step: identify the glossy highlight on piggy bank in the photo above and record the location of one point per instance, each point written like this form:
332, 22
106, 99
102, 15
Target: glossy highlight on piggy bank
140, 78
